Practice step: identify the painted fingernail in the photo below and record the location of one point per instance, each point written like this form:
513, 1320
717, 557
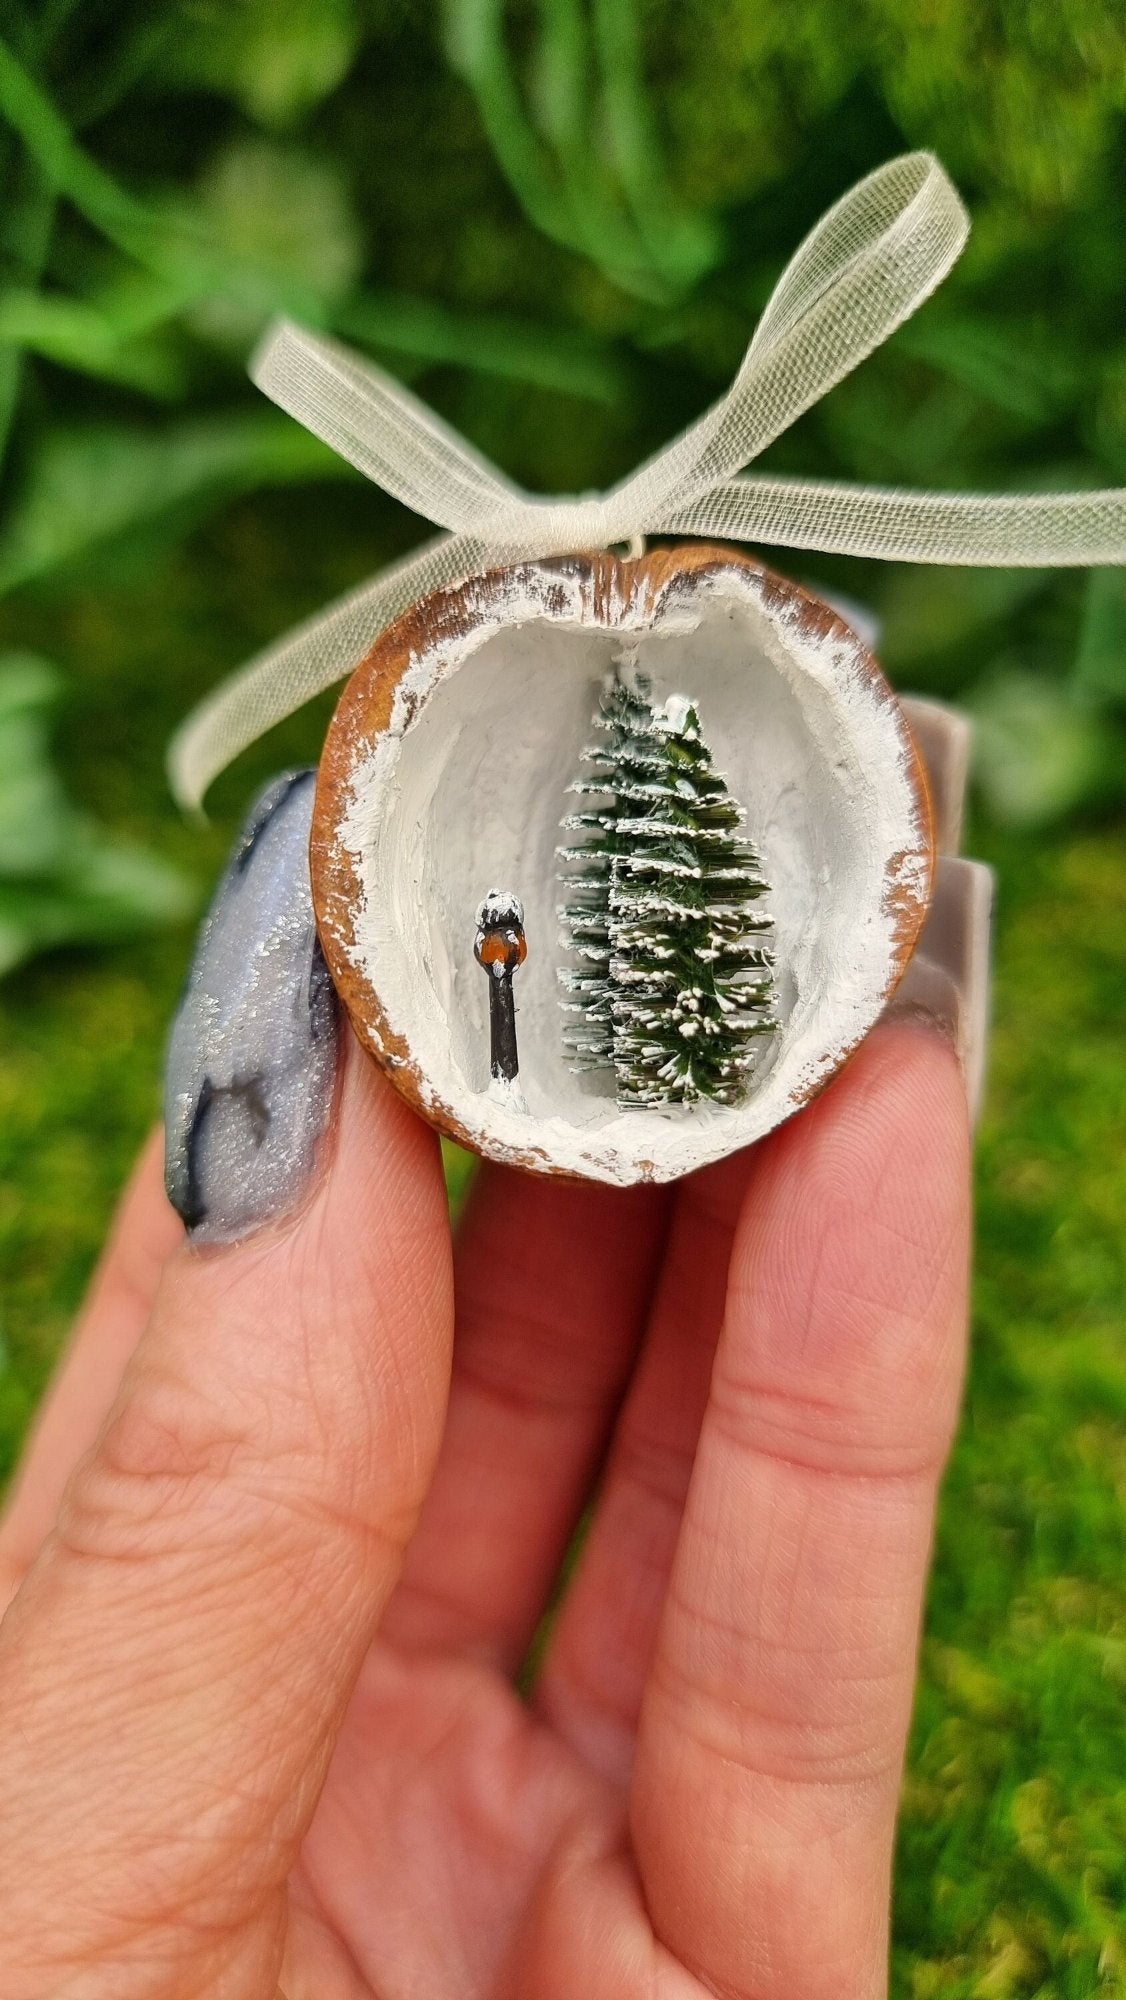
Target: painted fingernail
252, 1053
947, 981
942, 735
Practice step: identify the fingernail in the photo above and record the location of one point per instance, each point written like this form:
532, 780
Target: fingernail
252, 1054
947, 981
942, 736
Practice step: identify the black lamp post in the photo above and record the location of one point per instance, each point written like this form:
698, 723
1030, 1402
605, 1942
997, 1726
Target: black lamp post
500, 946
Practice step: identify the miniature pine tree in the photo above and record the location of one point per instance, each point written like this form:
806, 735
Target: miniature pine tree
689, 975
624, 720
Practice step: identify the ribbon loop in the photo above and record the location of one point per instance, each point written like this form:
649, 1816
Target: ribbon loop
909, 202
864, 268
379, 427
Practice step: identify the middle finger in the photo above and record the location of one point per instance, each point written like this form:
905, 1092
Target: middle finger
552, 1282
590, 1688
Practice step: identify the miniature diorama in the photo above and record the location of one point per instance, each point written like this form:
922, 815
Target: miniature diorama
713, 814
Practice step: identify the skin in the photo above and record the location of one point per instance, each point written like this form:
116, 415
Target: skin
258, 1730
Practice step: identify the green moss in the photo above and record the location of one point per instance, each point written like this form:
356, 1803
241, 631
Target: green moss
1012, 1865
1025, 97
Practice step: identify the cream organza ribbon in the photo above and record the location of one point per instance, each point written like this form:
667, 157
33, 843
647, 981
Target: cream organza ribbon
871, 260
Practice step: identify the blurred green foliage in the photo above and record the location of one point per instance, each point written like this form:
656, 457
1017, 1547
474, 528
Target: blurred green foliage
564, 215
61, 880
560, 219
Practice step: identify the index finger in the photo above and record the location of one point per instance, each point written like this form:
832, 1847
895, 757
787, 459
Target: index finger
774, 1724
175, 1665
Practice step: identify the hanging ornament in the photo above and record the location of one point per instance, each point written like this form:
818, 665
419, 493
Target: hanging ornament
475, 666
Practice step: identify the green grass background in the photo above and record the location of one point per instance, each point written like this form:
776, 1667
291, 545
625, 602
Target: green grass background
568, 304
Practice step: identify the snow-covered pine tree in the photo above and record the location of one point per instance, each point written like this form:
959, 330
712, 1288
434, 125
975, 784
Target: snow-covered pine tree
689, 975
611, 766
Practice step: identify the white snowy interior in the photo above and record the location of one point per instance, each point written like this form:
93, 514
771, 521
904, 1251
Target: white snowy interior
468, 797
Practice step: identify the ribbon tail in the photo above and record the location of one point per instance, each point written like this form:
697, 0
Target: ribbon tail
319, 652
1017, 530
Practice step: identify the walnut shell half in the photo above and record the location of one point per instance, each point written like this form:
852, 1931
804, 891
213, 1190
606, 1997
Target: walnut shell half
445, 774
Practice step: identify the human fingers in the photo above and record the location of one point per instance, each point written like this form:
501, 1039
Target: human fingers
174, 1668
589, 1687
595, 1669
513, 1489
239, 1045
145, 1232
552, 1286
773, 1724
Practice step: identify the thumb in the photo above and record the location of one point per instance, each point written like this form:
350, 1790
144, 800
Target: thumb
174, 1669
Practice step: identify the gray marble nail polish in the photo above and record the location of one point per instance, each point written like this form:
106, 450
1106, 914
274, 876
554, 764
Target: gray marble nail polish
252, 1053
947, 981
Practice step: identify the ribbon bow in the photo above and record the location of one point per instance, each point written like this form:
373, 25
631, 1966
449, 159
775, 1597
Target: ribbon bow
873, 258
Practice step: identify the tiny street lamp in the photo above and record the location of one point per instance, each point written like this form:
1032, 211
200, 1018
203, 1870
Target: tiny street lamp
500, 947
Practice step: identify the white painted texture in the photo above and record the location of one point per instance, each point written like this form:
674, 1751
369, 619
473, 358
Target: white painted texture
471, 792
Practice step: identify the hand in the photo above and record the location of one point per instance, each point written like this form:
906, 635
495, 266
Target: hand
258, 1728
